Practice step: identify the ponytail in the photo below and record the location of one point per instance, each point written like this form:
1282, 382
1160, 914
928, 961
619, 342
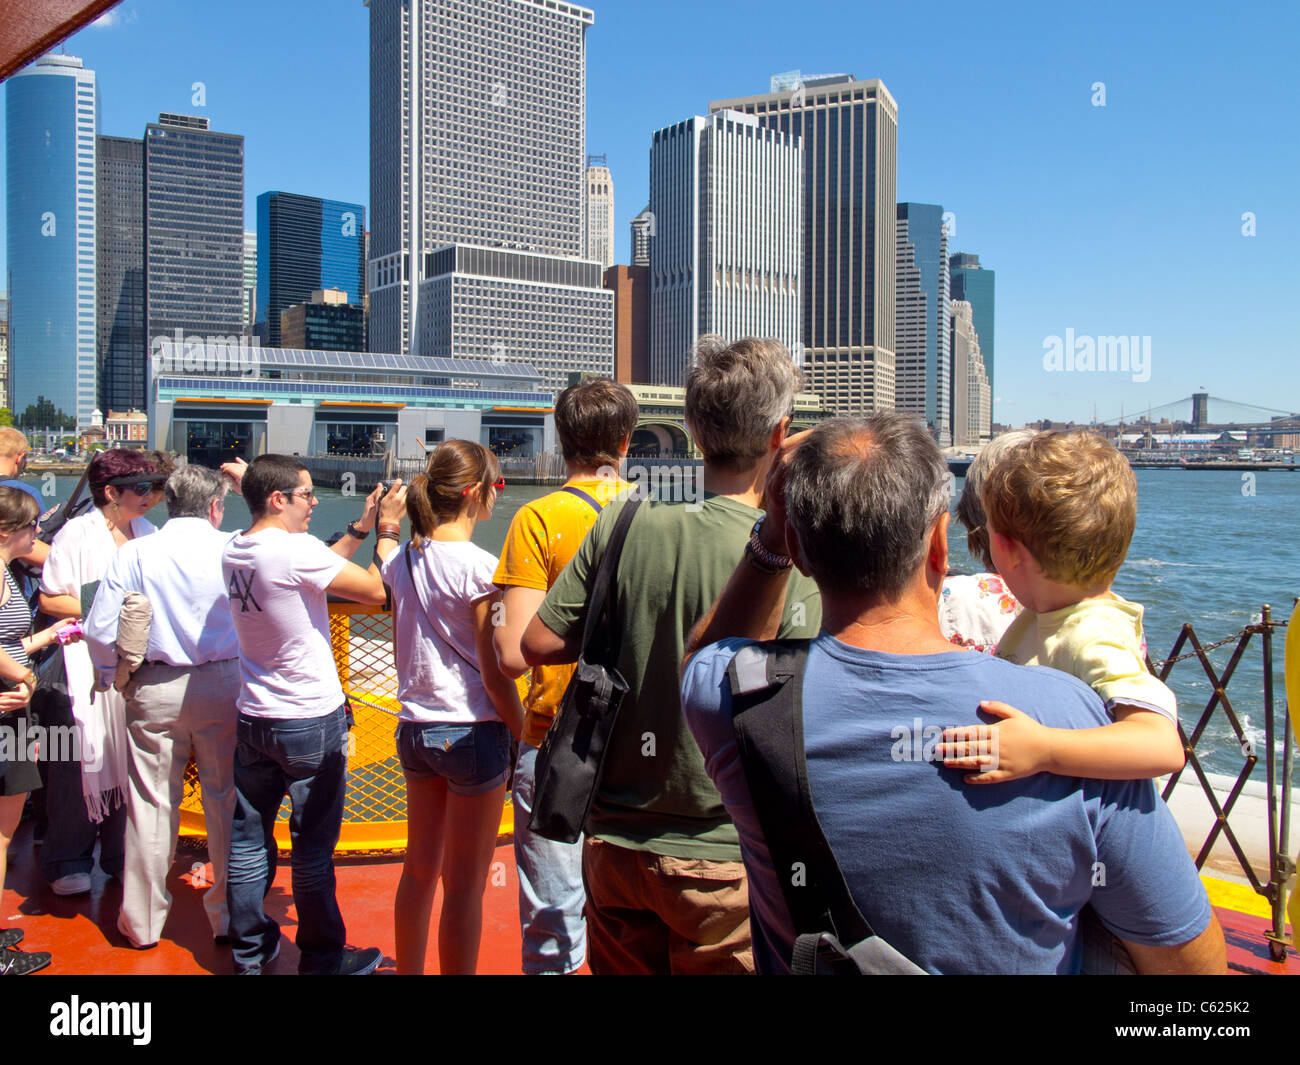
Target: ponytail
438, 495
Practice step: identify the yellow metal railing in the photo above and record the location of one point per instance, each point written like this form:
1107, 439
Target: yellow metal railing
374, 815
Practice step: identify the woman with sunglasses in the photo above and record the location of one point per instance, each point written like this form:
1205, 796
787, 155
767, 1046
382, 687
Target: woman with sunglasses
19, 513
87, 799
458, 710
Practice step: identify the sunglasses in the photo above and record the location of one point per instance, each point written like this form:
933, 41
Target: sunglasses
303, 493
498, 484
144, 488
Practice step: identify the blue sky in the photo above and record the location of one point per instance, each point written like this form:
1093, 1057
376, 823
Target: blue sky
1123, 219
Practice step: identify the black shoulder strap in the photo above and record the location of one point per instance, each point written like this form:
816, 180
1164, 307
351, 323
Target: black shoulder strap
599, 606
766, 682
597, 507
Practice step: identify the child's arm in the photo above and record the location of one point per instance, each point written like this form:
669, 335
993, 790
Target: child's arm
1140, 743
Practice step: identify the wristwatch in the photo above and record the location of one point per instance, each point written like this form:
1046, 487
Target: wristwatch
760, 556
354, 531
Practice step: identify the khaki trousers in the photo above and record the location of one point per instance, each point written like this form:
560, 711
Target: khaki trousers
653, 914
171, 713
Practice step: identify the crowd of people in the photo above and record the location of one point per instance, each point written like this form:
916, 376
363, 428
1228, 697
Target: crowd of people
812, 699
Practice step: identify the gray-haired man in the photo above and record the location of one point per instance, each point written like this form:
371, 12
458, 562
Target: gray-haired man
180, 700
666, 890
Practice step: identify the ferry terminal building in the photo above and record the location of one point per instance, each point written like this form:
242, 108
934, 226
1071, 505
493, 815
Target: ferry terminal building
222, 398
216, 401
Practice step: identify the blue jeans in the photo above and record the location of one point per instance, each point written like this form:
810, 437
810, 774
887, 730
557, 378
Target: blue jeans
473, 758
307, 759
551, 894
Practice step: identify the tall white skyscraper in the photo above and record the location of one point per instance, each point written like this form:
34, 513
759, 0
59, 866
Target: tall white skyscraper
51, 117
849, 133
600, 212
477, 164
726, 195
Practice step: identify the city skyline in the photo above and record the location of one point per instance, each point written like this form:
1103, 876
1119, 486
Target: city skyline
1074, 164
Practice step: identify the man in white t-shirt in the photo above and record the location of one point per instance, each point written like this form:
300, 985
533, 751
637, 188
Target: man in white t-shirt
292, 729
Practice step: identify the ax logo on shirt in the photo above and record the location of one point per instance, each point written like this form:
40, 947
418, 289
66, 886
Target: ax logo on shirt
241, 588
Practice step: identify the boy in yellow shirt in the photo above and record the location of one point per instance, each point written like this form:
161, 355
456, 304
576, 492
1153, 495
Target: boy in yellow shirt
594, 421
1061, 510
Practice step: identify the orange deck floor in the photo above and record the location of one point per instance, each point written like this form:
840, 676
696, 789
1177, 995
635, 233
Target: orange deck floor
82, 933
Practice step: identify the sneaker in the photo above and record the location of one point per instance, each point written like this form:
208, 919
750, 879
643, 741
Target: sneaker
359, 961
72, 884
20, 963
10, 937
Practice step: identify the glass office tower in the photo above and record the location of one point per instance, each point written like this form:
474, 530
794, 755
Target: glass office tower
194, 229
973, 283
923, 357
119, 244
51, 114
305, 243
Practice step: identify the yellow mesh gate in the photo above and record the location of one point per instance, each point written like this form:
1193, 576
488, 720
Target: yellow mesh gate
374, 815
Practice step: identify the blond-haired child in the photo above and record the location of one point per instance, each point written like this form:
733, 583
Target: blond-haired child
1061, 511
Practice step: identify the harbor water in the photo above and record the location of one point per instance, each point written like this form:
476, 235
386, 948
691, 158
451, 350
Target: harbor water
1210, 548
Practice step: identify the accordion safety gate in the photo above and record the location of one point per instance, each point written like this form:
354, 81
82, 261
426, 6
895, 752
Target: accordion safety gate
374, 816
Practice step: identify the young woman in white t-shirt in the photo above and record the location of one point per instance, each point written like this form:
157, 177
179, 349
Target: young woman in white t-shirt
458, 710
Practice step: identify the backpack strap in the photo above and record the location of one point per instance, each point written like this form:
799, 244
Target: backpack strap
597, 507
599, 640
766, 682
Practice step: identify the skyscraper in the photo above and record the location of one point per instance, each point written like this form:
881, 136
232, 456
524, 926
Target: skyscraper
643, 230
971, 396
194, 230
326, 322
51, 114
477, 163
304, 244
849, 133
4, 346
727, 197
119, 241
250, 280
923, 360
971, 282
600, 212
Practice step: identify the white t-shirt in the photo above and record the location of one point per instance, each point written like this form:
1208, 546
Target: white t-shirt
437, 663
276, 581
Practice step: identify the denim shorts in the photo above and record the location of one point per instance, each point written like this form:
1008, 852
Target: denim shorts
473, 758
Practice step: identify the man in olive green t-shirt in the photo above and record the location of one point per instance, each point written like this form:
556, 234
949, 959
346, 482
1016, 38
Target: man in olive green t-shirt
666, 889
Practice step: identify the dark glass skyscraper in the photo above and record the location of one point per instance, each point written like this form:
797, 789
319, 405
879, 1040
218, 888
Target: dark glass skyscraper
305, 243
194, 229
119, 270
971, 282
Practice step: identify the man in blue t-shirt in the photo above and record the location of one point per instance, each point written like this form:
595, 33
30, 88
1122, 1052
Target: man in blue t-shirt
959, 878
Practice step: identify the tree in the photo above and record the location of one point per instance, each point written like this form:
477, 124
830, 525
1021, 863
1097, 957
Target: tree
6, 417
44, 415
